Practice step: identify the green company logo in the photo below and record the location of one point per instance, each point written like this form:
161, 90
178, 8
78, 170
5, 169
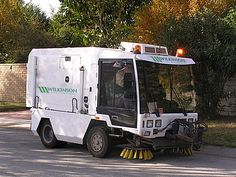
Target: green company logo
57, 90
167, 59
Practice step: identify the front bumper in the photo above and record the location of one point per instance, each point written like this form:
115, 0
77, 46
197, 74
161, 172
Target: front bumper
181, 134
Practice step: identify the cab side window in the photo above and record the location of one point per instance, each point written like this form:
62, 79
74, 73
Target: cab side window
117, 91
117, 85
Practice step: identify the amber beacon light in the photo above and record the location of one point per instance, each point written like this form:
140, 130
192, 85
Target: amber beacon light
137, 49
180, 52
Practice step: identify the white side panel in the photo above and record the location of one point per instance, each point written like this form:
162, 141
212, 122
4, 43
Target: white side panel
69, 127
30, 83
89, 80
35, 120
57, 82
90, 85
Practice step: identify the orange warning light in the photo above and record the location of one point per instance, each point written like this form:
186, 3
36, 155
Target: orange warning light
137, 49
180, 52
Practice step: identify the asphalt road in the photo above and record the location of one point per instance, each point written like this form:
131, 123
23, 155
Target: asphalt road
22, 154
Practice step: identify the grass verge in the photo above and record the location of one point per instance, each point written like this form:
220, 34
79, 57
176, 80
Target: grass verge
9, 106
221, 132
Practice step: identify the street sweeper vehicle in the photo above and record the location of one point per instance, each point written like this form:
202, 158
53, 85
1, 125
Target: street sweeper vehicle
137, 95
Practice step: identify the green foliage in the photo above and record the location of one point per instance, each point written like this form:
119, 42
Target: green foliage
9, 106
94, 23
221, 132
210, 41
23, 27
231, 18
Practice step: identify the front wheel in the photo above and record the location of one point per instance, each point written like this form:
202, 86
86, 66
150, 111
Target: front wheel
47, 136
98, 143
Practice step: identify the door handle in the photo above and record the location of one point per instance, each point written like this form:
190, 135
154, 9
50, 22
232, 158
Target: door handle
114, 117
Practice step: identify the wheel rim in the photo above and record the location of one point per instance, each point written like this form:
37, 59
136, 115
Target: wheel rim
97, 142
48, 134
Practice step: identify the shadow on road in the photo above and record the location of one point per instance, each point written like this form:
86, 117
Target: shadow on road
22, 154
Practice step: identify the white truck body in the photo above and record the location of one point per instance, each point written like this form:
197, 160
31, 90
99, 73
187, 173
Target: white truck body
63, 86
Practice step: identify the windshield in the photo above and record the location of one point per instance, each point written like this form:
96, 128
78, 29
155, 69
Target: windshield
165, 88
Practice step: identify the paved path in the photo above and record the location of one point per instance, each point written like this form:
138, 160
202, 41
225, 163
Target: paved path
15, 119
22, 154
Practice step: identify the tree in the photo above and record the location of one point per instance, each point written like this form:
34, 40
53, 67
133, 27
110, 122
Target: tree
95, 23
219, 7
23, 27
150, 20
210, 41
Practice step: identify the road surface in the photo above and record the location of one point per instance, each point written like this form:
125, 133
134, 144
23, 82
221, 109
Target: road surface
22, 154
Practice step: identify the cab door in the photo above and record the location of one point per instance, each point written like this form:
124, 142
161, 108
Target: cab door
117, 91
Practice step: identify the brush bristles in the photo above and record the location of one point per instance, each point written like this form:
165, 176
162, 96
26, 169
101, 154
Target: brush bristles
128, 153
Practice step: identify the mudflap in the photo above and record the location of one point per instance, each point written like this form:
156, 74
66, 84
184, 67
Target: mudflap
200, 128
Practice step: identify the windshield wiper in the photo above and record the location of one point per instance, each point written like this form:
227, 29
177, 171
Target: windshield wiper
179, 101
156, 110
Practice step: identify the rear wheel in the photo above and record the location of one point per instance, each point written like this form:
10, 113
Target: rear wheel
98, 142
47, 136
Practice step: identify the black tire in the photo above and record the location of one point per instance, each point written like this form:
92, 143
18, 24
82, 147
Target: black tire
98, 142
47, 136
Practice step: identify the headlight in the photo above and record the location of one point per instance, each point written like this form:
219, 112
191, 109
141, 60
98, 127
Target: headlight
149, 123
158, 123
